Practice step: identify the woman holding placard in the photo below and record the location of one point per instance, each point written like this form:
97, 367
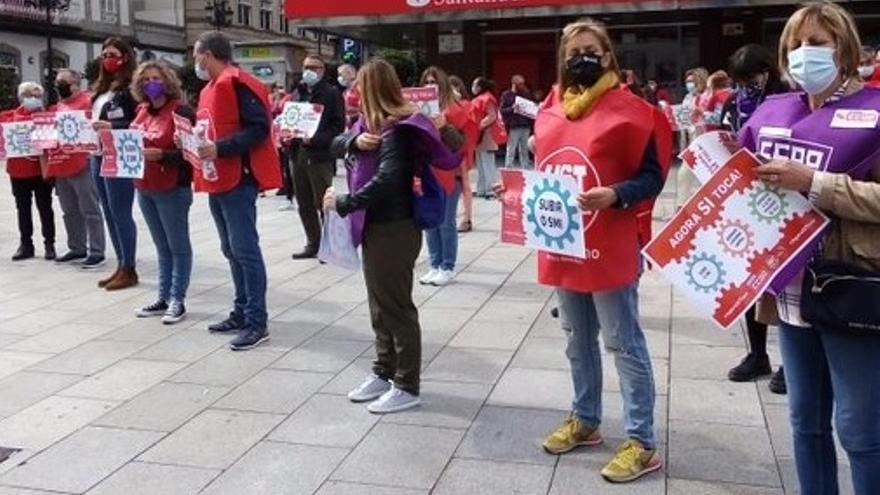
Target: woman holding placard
114, 108
577, 133
824, 141
458, 126
28, 183
165, 193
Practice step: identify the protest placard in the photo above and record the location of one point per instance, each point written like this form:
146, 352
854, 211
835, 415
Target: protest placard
709, 152
525, 107
539, 210
70, 130
123, 152
15, 140
725, 246
426, 98
300, 120
189, 140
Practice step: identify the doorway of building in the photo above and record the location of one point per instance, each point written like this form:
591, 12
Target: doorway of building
531, 54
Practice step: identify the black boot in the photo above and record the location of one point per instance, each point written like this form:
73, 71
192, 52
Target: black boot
777, 383
309, 252
752, 367
24, 252
50, 251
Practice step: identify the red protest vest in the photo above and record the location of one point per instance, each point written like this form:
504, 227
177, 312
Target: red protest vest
603, 148
461, 116
64, 164
480, 105
218, 101
27, 166
158, 132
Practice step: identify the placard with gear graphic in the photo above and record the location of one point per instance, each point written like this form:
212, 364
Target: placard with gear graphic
16, 140
299, 119
123, 151
733, 238
540, 211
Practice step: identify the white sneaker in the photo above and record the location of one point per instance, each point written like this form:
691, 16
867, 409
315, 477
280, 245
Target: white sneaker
176, 312
371, 389
392, 401
444, 277
428, 278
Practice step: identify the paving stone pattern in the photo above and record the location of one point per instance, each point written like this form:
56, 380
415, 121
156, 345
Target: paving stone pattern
102, 403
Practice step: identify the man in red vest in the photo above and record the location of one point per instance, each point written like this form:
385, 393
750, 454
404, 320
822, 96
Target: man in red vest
76, 190
238, 162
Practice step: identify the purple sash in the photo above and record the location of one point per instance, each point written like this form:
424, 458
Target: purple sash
784, 127
366, 164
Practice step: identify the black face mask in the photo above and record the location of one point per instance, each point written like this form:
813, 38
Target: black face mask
63, 89
584, 69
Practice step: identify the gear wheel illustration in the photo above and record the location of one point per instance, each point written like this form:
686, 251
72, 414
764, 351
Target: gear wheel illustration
291, 116
18, 139
68, 128
736, 237
131, 153
553, 228
768, 204
706, 273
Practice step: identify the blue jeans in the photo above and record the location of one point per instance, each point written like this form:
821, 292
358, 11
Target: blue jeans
833, 372
616, 313
518, 144
117, 200
443, 241
235, 214
167, 216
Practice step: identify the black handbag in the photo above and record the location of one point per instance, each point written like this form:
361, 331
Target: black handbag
841, 297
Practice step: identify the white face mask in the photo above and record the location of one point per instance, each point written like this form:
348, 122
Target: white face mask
866, 71
311, 78
32, 103
813, 68
343, 82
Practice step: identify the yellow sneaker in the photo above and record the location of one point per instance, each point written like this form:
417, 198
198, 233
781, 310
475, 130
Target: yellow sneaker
572, 433
631, 462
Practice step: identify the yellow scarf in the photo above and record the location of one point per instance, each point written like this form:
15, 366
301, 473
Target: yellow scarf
578, 101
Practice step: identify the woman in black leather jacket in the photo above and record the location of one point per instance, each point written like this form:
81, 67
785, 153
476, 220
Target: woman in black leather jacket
387, 157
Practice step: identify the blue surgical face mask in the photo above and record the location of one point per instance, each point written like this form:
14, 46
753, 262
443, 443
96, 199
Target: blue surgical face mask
311, 78
32, 103
813, 68
691, 87
202, 73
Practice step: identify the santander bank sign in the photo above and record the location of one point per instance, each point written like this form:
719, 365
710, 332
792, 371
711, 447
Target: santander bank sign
298, 9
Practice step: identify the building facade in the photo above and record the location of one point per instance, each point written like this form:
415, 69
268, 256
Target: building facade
265, 42
79, 31
658, 39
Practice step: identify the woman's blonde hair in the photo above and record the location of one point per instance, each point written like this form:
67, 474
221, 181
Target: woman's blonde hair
569, 32
718, 80
381, 95
700, 75
172, 83
832, 18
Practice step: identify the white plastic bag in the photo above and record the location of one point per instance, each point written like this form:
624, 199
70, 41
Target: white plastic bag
337, 247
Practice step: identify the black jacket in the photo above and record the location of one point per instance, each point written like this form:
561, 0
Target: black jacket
332, 119
119, 110
512, 119
388, 196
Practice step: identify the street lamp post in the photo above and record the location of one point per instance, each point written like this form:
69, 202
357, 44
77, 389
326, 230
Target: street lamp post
49, 6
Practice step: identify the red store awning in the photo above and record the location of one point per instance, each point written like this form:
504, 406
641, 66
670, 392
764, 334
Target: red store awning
305, 9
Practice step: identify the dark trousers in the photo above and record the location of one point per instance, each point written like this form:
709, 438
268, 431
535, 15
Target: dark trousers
390, 251
286, 173
311, 178
25, 189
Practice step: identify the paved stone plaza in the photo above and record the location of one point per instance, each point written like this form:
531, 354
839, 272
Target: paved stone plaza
102, 403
